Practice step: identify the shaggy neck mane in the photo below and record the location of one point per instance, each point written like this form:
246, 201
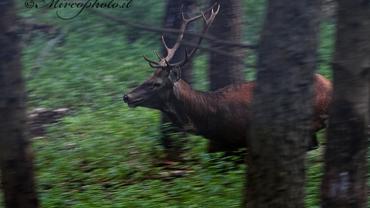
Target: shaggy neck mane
193, 108
196, 102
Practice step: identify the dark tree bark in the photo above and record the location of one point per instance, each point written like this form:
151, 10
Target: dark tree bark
282, 107
15, 159
224, 70
173, 19
345, 173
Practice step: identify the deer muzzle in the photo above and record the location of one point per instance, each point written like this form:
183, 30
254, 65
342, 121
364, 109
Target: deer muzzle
131, 101
125, 98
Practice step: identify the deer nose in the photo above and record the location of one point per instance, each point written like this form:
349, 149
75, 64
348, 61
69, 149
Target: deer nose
125, 98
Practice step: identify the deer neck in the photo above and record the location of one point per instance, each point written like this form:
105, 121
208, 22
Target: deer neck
190, 106
172, 108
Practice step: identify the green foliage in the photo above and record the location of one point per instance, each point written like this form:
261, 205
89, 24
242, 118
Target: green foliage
327, 38
254, 17
107, 155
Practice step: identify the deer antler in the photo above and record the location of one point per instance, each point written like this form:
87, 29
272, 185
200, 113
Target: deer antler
170, 52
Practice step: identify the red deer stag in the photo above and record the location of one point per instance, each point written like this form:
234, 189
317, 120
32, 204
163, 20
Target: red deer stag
221, 116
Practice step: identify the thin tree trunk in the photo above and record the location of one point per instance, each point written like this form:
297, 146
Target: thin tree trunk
345, 174
15, 159
282, 107
173, 19
225, 70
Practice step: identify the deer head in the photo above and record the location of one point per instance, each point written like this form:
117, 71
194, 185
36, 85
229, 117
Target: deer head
156, 90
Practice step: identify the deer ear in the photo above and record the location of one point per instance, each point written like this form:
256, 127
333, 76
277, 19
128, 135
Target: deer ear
175, 74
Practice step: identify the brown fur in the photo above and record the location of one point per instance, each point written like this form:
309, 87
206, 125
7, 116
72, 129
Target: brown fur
223, 116
323, 96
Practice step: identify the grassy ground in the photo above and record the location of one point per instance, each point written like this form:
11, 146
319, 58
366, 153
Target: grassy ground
106, 155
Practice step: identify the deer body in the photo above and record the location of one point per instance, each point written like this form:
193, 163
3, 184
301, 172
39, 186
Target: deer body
222, 116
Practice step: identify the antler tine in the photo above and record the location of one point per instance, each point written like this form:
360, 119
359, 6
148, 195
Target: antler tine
198, 16
170, 52
153, 66
164, 43
211, 17
157, 54
204, 17
151, 63
214, 13
208, 22
188, 20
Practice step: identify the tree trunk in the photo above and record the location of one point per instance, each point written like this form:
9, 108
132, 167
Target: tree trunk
282, 107
225, 70
173, 19
15, 158
345, 173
